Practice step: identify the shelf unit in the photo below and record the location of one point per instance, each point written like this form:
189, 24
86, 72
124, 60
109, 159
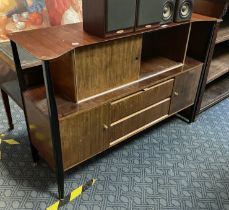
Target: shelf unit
223, 33
220, 62
216, 87
216, 92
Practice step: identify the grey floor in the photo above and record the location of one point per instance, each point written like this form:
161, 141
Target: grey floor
171, 166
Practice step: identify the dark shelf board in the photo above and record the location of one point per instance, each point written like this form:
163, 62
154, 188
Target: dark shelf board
215, 92
220, 64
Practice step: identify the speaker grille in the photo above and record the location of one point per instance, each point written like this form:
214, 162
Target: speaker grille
168, 10
185, 9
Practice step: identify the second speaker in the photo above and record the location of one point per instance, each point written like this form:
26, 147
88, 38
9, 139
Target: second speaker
183, 10
168, 11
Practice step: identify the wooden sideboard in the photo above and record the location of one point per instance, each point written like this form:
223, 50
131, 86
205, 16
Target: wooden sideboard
99, 92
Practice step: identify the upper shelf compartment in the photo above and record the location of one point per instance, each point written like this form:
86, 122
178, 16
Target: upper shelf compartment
163, 50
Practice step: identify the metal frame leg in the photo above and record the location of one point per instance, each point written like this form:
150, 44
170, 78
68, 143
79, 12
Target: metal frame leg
6, 103
34, 151
55, 132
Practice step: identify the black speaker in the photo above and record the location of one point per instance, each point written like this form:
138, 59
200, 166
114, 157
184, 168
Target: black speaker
183, 10
168, 11
148, 13
109, 17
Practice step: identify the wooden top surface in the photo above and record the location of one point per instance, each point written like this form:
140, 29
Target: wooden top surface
50, 43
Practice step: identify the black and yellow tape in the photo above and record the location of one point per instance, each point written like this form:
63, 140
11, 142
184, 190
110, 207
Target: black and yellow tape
72, 196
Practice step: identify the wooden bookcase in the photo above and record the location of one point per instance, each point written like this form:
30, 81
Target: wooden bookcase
217, 80
107, 90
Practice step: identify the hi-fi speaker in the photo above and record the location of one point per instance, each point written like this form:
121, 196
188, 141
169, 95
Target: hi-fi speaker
148, 13
183, 10
109, 17
168, 11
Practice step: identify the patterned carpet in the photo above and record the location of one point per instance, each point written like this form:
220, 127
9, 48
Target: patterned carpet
171, 166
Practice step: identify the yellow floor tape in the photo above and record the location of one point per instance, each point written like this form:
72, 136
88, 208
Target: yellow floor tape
11, 141
72, 196
8, 141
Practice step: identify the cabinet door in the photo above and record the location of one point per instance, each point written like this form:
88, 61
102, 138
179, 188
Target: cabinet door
83, 135
184, 91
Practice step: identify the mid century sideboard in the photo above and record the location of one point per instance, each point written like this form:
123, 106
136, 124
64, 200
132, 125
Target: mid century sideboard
98, 92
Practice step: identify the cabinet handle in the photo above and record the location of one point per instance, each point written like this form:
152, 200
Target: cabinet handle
176, 93
105, 127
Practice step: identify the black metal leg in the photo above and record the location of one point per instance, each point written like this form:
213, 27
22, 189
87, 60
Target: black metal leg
6, 103
17, 62
55, 132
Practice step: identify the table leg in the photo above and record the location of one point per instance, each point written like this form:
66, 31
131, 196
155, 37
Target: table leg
17, 62
54, 124
6, 103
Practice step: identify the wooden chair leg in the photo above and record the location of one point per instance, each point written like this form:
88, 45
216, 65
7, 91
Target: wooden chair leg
6, 103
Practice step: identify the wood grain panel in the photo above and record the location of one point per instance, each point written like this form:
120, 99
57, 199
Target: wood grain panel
83, 136
140, 100
63, 76
185, 88
139, 119
102, 67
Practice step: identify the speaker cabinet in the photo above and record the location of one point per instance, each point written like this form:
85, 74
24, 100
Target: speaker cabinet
183, 10
168, 11
109, 17
148, 13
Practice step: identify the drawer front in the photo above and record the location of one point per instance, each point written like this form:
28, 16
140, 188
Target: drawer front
140, 100
138, 120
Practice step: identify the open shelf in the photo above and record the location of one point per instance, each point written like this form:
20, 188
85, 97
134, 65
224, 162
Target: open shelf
223, 33
220, 63
156, 66
215, 92
161, 55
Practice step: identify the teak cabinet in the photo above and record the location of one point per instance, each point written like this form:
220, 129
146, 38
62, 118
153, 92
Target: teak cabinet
99, 92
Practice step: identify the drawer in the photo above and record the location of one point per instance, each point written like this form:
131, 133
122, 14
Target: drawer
140, 100
141, 119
